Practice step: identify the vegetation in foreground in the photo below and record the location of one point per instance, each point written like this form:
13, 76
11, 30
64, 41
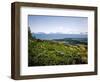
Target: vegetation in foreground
46, 52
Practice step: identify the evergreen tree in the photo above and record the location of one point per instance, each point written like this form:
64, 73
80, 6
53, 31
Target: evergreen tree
30, 34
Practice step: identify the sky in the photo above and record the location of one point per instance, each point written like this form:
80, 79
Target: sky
58, 24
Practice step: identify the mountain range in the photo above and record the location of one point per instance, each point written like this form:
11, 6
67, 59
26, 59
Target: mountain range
51, 36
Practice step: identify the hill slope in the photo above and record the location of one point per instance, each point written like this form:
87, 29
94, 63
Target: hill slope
44, 52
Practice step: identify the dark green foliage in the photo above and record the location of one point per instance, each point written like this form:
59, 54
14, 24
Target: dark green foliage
29, 34
43, 53
30, 37
73, 41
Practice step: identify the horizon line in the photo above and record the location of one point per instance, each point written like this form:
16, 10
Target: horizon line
60, 33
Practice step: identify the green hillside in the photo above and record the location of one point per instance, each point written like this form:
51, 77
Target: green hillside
46, 52
42, 53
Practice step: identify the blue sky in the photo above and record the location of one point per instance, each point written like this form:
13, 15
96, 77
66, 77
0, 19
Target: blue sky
58, 24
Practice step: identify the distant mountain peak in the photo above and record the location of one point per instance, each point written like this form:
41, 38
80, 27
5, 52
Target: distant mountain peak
84, 33
38, 33
50, 36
